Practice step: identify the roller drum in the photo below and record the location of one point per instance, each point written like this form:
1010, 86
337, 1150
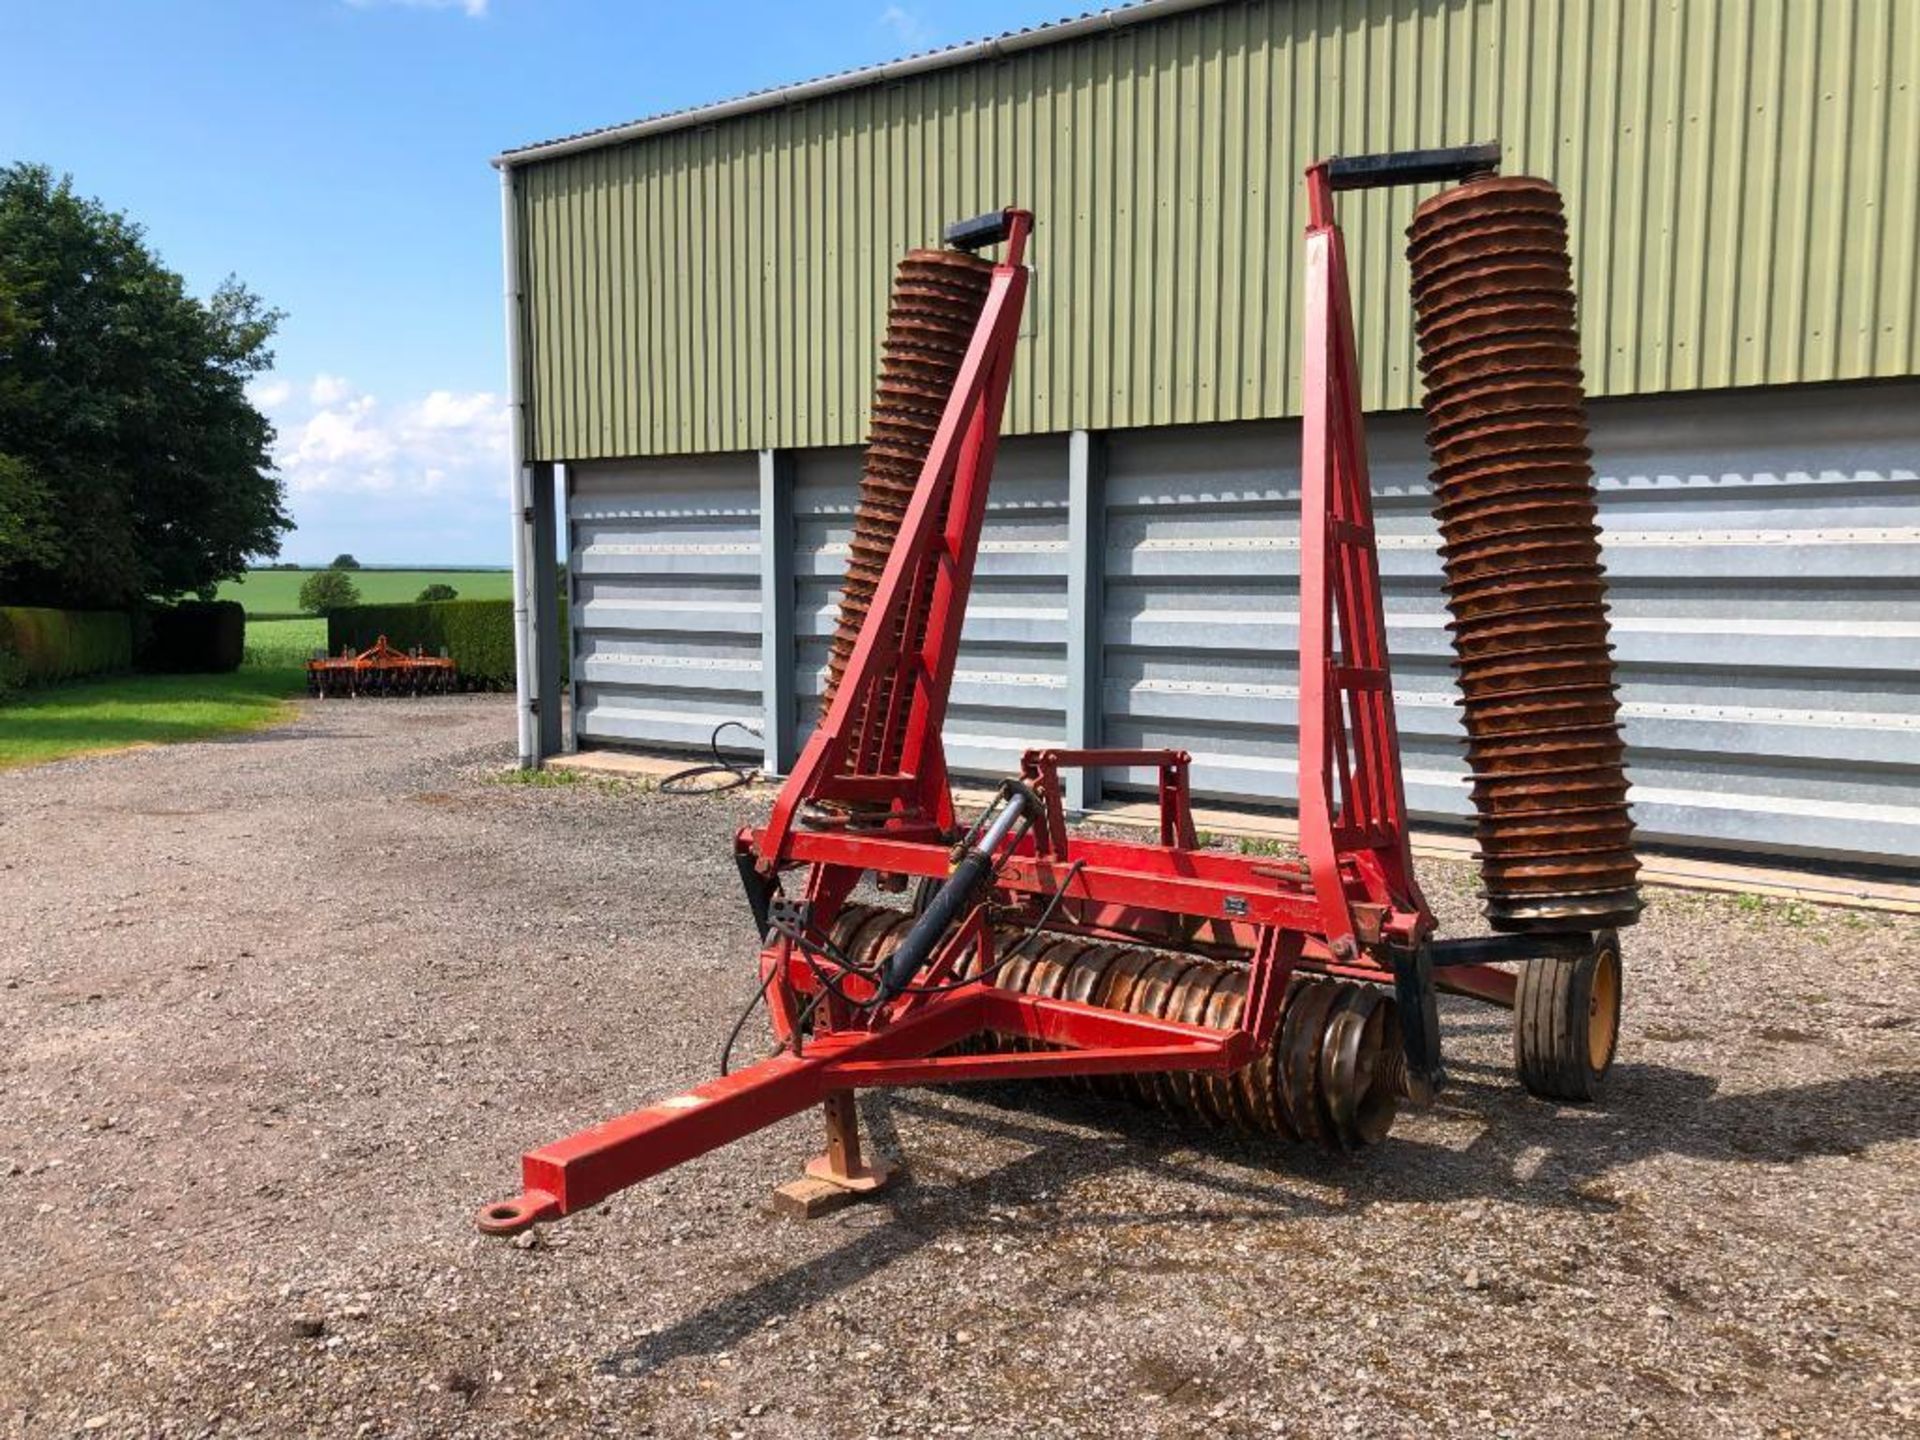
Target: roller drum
1333, 1075
1513, 493
936, 303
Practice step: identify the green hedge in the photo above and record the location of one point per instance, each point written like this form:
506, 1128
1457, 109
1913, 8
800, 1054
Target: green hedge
478, 634
41, 646
197, 637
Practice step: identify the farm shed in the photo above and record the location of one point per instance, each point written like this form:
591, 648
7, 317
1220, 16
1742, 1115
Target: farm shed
695, 302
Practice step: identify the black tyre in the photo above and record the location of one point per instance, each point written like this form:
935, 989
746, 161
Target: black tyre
1566, 1022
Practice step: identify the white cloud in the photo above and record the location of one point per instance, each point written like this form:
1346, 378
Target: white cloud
327, 390
338, 440
416, 479
472, 9
447, 410
909, 28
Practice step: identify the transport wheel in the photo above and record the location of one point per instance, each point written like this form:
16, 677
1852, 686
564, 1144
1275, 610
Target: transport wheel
1566, 1021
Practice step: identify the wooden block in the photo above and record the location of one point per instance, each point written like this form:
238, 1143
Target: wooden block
814, 1194
809, 1199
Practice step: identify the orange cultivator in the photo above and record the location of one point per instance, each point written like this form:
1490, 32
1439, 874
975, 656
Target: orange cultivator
380, 670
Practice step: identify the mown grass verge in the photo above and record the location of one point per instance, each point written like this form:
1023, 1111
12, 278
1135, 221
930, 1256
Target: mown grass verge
113, 714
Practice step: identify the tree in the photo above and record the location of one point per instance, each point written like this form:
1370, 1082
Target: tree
27, 534
344, 562
437, 591
325, 591
132, 464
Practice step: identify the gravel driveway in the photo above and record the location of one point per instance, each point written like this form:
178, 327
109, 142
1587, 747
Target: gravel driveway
280, 1012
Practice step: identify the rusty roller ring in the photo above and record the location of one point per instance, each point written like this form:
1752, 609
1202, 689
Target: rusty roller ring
1181, 1092
1520, 544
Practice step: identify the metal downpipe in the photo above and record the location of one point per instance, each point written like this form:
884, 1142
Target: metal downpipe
525, 604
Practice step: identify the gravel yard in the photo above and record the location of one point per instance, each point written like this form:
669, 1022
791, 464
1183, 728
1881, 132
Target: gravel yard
281, 1011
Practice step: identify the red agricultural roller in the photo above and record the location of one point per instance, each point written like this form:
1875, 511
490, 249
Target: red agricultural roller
1291, 997
380, 669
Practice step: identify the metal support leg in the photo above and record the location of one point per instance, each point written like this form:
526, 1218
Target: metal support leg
1419, 1022
839, 1176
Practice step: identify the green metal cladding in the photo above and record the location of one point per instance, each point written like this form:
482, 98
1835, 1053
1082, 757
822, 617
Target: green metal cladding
1742, 176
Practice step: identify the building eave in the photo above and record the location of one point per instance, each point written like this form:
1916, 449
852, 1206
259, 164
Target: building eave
967, 53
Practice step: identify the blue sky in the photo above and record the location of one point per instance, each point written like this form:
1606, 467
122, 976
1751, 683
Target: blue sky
333, 154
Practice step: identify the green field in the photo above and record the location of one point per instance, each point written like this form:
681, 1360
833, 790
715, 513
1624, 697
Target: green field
277, 592
129, 710
284, 646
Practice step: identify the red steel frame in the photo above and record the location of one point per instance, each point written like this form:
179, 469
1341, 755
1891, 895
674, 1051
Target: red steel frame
1338, 911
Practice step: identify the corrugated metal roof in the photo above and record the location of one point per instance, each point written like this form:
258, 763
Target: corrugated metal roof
1742, 178
917, 63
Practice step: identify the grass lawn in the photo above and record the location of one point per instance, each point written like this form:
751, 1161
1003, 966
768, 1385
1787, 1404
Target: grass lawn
114, 713
277, 592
